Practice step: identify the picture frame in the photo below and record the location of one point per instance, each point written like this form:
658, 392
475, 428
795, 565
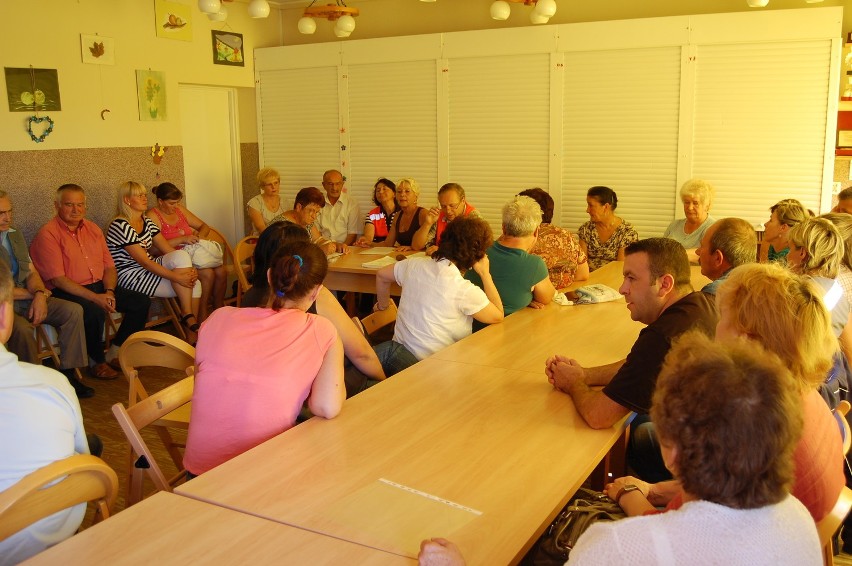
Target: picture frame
97, 50
228, 48
32, 90
173, 20
151, 95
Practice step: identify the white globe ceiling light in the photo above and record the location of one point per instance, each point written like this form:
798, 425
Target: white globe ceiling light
546, 8
500, 10
258, 9
538, 18
342, 16
219, 16
757, 3
210, 6
307, 25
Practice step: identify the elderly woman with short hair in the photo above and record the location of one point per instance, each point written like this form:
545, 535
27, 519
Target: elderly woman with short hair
565, 261
697, 197
306, 208
268, 204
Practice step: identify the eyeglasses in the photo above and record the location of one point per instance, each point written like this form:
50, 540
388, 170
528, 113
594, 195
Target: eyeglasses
452, 206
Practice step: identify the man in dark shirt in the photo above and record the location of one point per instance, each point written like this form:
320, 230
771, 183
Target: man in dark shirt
659, 293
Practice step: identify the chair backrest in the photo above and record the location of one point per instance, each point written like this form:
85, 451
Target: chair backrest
841, 413
152, 348
36, 496
243, 254
133, 419
379, 319
831, 523
227, 257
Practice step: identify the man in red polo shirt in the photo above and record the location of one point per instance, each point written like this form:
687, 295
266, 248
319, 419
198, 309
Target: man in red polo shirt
452, 205
71, 255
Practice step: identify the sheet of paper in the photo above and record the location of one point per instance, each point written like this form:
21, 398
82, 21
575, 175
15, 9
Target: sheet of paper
379, 263
376, 251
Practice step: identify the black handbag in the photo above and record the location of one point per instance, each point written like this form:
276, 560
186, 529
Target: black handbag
585, 508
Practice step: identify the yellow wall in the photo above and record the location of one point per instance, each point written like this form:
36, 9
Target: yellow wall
391, 18
46, 34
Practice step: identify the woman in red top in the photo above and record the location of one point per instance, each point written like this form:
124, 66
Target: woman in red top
378, 221
180, 227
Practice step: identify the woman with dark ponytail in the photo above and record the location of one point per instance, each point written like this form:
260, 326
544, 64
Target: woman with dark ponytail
256, 366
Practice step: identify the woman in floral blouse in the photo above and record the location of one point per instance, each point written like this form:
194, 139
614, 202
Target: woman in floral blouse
604, 237
565, 261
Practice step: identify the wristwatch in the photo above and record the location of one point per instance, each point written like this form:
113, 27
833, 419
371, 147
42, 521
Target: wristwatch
44, 291
625, 489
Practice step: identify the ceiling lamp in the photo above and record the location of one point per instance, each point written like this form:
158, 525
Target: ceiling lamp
757, 3
210, 6
543, 11
219, 16
340, 13
258, 8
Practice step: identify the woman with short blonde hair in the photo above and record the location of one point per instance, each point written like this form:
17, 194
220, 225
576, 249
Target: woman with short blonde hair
409, 219
263, 208
697, 198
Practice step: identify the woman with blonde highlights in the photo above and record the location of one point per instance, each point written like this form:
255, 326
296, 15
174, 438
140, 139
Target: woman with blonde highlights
129, 238
784, 215
783, 313
409, 218
843, 223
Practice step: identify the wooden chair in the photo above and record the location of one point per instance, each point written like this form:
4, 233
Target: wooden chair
150, 411
243, 263
169, 313
43, 492
378, 319
46, 346
831, 522
152, 348
840, 413
227, 259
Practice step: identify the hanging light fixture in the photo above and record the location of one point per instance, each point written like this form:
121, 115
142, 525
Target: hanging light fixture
258, 8
219, 16
209, 6
340, 13
543, 11
757, 3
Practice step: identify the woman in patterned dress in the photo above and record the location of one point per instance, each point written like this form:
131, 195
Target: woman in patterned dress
129, 237
604, 237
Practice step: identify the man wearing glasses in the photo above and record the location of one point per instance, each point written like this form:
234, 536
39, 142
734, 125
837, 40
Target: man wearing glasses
452, 205
340, 218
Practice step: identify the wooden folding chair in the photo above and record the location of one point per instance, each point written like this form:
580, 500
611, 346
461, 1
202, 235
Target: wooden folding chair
151, 411
169, 313
152, 348
243, 264
44, 492
227, 259
378, 319
46, 346
831, 523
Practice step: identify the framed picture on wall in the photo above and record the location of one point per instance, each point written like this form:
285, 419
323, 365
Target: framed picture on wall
174, 21
97, 50
31, 89
151, 94
228, 48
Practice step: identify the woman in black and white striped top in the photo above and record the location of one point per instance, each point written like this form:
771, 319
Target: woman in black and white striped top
130, 236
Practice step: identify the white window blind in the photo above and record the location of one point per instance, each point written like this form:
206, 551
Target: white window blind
499, 124
299, 126
760, 122
620, 129
392, 127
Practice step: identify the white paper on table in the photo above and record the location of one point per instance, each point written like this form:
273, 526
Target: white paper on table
379, 263
376, 251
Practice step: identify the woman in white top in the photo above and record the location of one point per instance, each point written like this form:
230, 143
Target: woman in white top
268, 204
697, 197
438, 305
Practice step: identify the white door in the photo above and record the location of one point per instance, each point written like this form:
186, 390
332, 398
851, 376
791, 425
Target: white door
211, 157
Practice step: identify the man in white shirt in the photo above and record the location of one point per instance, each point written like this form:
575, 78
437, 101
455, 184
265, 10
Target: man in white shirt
40, 423
340, 219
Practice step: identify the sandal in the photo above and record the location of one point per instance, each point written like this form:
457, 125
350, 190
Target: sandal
184, 320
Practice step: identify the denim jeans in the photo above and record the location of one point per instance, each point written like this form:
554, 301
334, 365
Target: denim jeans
394, 357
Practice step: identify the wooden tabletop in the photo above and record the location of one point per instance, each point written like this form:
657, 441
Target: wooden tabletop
168, 529
346, 272
483, 456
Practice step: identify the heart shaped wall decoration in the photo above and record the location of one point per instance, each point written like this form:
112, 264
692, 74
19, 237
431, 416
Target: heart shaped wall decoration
34, 119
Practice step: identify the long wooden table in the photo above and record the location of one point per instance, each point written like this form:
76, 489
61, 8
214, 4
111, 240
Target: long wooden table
346, 273
167, 529
484, 456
